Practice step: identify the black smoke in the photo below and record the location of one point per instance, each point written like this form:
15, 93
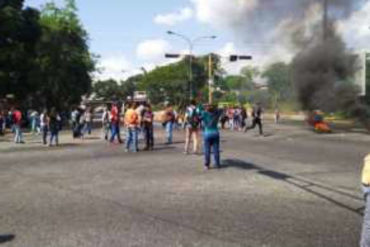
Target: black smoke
324, 72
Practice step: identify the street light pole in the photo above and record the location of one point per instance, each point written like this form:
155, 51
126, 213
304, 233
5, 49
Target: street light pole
191, 43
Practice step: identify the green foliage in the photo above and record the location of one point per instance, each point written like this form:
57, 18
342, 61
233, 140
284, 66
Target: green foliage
107, 90
44, 57
279, 82
171, 82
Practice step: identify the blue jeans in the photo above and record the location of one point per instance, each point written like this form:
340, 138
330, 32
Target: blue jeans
169, 130
54, 134
132, 139
18, 133
88, 128
34, 125
115, 131
365, 235
212, 141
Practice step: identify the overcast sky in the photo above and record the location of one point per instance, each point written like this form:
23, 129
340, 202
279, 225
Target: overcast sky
129, 34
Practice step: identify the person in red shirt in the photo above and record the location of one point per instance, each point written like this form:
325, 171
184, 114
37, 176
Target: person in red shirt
17, 121
115, 123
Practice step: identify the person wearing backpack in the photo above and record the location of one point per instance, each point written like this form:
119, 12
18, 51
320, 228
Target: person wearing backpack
132, 123
193, 120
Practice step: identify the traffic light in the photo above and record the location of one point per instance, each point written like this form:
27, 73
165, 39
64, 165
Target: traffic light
245, 57
233, 58
172, 55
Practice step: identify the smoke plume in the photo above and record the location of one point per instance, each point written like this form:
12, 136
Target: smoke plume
323, 71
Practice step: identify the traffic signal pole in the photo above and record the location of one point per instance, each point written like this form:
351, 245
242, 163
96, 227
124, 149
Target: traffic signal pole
210, 80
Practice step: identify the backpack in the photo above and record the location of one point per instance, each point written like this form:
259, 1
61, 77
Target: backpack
193, 118
132, 118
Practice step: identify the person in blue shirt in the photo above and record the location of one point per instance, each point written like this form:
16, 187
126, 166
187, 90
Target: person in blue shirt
210, 118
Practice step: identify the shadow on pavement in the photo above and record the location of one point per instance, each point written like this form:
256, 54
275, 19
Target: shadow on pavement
305, 185
25, 147
6, 238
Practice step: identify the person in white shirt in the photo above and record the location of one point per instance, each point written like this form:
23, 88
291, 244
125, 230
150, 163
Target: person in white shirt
106, 123
44, 125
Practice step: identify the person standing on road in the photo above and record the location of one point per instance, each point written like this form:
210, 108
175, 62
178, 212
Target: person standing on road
257, 118
365, 235
55, 126
17, 123
169, 117
211, 135
105, 120
88, 121
192, 117
148, 118
244, 117
2, 121
277, 115
44, 125
115, 123
34, 117
132, 124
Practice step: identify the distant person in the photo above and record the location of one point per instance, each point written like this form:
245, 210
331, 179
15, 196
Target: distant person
277, 115
230, 117
224, 118
169, 120
35, 119
44, 125
55, 122
193, 119
17, 125
365, 236
244, 117
148, 118
132, 126
211, 135
257, 118
75, 122
2, 121
115, 123
88, 117
105, 120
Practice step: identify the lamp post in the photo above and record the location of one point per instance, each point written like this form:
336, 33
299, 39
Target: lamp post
191, 43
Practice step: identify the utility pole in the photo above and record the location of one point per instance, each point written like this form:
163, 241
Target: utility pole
326, 19
210, 79
191, 43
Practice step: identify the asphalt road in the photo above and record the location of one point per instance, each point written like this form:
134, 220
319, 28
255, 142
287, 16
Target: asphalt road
291, 188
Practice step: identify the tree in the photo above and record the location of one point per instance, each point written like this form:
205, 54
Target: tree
44, 57
107, 90
19, 33
279, 81
170, 82
64, 60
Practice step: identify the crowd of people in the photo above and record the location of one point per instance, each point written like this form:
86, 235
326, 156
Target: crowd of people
138, 122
